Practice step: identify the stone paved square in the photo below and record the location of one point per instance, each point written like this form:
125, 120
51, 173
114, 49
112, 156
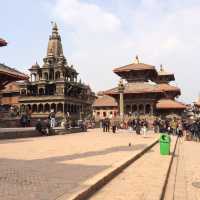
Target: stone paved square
49, 167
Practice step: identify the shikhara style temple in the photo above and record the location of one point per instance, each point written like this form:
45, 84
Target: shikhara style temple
54, 85
146, 91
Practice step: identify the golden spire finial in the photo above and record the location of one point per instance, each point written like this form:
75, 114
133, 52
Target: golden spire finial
136, 61
54, 27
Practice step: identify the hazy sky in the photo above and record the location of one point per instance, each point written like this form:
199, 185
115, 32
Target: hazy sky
99, 35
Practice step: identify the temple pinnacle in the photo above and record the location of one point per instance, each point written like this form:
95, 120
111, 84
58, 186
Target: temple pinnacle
161, 68
136, 61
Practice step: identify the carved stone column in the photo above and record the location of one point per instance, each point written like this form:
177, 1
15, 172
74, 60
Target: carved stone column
121, 98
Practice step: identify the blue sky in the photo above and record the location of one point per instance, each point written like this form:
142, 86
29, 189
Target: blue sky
98, 35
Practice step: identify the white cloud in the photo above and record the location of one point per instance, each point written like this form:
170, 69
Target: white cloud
159, 31
86, 16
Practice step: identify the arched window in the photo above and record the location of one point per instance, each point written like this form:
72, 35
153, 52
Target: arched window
134, 109
41, 91
23, 92
53, 107
128, 109
33, 77
46, 76
28, 107
40, 108
148, 109
60, 107
40, 75
34, 108
51, 75
141, 109
47, 108
57, 75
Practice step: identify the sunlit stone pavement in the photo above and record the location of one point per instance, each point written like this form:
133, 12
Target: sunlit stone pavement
50, 167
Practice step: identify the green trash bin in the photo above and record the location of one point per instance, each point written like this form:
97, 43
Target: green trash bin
165, 141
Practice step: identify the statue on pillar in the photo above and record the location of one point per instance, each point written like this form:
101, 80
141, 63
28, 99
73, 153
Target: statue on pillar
121, 88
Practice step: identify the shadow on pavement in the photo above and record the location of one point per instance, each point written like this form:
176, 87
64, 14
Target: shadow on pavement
49, 178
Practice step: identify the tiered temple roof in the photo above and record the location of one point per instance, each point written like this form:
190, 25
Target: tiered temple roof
144, 79
197, 103
8, 74
170, 104
136, 71
136, 88
164, 76
105, 100
2, 42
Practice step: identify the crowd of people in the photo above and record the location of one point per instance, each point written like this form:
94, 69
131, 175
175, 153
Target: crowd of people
46, 127
140, 125
114, 123
172, 126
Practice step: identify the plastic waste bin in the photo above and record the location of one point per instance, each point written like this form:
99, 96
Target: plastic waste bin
165, 141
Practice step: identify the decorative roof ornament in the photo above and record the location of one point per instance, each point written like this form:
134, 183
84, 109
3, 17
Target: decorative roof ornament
35, 66
136, 61
161, 68
2, 42
121, 86
54, 27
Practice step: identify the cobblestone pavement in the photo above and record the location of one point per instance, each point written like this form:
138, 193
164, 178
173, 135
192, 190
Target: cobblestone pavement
143, 180
47, 167
184, 180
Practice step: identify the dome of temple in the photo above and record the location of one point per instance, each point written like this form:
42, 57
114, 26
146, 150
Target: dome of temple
35, 66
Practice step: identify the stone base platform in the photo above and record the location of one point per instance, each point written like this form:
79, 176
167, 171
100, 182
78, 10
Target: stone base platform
14, 133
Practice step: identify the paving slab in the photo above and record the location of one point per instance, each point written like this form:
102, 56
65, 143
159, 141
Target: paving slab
61, 166
184, 179
144, 179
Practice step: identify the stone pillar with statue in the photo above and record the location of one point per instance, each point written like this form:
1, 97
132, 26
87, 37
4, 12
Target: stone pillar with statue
121, 98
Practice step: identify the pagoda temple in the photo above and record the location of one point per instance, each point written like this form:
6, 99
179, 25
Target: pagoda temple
146, 91
54, 85
2, 42
197, 105
8, 74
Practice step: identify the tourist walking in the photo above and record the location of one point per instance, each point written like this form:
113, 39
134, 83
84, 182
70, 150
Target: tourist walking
24, 120
52, 118
107, 124
156, 125
113, 123
180, 129
144, 128
104, 124
138, 126
174, 127
195, 130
